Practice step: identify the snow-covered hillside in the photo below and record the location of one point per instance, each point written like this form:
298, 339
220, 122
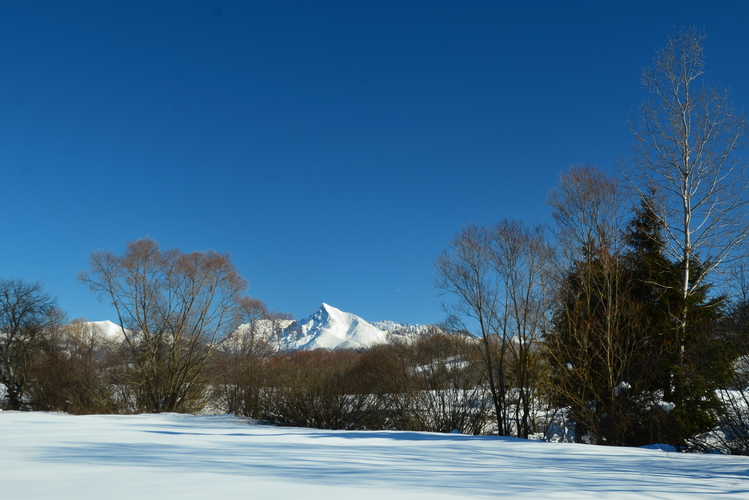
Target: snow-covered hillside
403, 331
52, 455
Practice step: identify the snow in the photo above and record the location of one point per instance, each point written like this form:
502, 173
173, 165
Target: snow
108, 330
49, 455
331, 328
264, 329
666, 406
394, 328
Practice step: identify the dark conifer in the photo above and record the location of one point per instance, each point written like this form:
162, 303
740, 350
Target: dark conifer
615, 351
685, 379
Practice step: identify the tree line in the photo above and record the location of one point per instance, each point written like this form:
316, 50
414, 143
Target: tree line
624, 323
194, 343
631, 298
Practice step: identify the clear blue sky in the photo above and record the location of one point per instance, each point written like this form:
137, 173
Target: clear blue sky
332, 148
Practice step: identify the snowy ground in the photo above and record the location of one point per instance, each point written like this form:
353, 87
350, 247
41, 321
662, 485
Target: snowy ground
45, 455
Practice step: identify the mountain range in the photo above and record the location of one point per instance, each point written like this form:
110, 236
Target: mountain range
326, 328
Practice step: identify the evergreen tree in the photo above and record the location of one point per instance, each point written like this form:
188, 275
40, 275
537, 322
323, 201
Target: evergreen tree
593, 347
616, 348
681, 367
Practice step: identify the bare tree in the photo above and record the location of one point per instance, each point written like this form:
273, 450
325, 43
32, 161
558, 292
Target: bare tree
442, 387
73, 371
26, 313
243, 356
588, 207
591, 345
595, 350
685, 147
317, 389
465, 270
172, 307
497, 276
521, 260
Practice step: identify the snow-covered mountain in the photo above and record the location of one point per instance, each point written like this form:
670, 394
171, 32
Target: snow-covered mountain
326, 328
331, 328
108, 330
98, 331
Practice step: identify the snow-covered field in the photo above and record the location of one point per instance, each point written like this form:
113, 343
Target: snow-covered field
47, 455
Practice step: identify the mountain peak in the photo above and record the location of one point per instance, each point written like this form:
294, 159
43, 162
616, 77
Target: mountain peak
331, 328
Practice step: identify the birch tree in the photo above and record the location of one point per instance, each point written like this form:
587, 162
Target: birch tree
686, 139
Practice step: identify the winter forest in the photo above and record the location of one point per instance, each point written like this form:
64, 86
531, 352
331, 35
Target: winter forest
624, 323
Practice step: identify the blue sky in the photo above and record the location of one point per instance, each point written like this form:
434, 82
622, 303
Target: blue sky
332, 148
